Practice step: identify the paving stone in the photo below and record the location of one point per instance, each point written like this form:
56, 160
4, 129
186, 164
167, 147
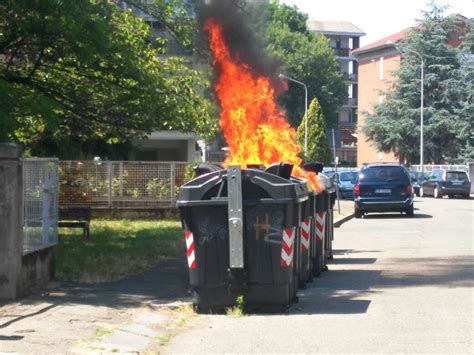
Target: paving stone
139, 329
127, 340
152, 318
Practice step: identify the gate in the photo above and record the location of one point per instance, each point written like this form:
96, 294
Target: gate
40, 203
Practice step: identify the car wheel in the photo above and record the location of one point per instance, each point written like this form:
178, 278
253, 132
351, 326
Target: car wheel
467, 196
410, 211
421, 193
451, 196
358, 213
436, 193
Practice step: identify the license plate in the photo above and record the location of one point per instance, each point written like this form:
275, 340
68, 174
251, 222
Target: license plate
383, 191
456, 183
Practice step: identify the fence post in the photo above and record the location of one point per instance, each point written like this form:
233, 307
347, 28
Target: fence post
11, 220
173, 182
109, 187
470, 171
121, 179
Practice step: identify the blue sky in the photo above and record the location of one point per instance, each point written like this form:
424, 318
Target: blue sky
377, 18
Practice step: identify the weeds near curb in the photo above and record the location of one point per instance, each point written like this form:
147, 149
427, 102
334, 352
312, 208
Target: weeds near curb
238, 309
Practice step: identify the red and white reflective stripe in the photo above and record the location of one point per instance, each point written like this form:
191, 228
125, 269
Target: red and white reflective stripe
305, 233
320, 225
190, 249
287, 243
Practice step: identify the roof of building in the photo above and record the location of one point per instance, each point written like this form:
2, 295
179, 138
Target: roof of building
334, 28
384, 42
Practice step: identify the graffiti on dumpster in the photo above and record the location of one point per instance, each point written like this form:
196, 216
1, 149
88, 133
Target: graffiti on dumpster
266, 223
210, 231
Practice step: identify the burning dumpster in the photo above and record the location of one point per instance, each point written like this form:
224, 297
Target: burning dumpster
250, 230
241, 230
323, 224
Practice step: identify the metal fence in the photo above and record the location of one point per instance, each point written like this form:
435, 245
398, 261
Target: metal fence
40, 203
120, 184
429, 168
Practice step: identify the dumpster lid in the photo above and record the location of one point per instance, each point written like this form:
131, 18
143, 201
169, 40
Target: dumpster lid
256, 184
327, 183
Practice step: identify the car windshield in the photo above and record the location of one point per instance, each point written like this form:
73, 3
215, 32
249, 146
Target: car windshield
349, 176
456, 175
382, 174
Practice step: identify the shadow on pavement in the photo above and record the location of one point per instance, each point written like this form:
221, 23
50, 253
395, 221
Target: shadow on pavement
11, 337
338, 292
396, 215
168, 281
353, 261
455, 271
348, 291
352, 251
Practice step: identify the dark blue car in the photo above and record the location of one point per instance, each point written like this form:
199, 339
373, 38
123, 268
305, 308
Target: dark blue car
383, 188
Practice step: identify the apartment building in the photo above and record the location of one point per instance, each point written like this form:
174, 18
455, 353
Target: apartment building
344, 37
166, 145
377, 62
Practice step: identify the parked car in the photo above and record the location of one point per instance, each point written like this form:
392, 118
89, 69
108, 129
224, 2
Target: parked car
443, 182
383, 188
417, 179
345, 183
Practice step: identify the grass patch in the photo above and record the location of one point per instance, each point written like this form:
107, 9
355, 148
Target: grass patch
238, 309
116, 248
180, 318
102, 332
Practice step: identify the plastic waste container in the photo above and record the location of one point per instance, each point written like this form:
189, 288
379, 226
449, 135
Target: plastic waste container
330, 198
240, 227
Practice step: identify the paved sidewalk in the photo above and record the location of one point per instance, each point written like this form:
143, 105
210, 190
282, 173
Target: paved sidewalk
136, 314
130, 315
346, 208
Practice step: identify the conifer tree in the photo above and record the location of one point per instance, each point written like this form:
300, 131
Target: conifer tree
317, 140
395, 123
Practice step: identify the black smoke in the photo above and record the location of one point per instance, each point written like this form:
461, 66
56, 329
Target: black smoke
236, 19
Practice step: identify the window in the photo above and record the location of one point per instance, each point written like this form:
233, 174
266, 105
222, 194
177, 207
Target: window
456, 175
381, 69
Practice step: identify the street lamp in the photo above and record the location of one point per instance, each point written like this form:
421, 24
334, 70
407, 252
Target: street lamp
421, 96
282, 76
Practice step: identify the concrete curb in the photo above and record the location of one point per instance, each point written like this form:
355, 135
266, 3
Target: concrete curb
342, 220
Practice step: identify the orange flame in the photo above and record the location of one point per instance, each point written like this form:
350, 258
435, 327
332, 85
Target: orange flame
255, 128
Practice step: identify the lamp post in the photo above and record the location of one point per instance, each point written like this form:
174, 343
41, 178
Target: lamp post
421, 97
282, 76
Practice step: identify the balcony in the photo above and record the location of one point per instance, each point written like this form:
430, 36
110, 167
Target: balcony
350, 77
342, 52
350, 102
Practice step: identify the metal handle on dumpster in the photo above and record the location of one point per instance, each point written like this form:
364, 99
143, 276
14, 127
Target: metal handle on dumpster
234, 195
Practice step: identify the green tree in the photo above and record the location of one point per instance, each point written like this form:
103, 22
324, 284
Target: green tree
318, 149
466, 87
304, 56
84, 69
395, 124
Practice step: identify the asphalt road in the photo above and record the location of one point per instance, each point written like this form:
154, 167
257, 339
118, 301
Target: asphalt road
397, 284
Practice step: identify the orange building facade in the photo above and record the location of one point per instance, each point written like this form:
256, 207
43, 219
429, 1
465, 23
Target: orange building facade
377, 62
